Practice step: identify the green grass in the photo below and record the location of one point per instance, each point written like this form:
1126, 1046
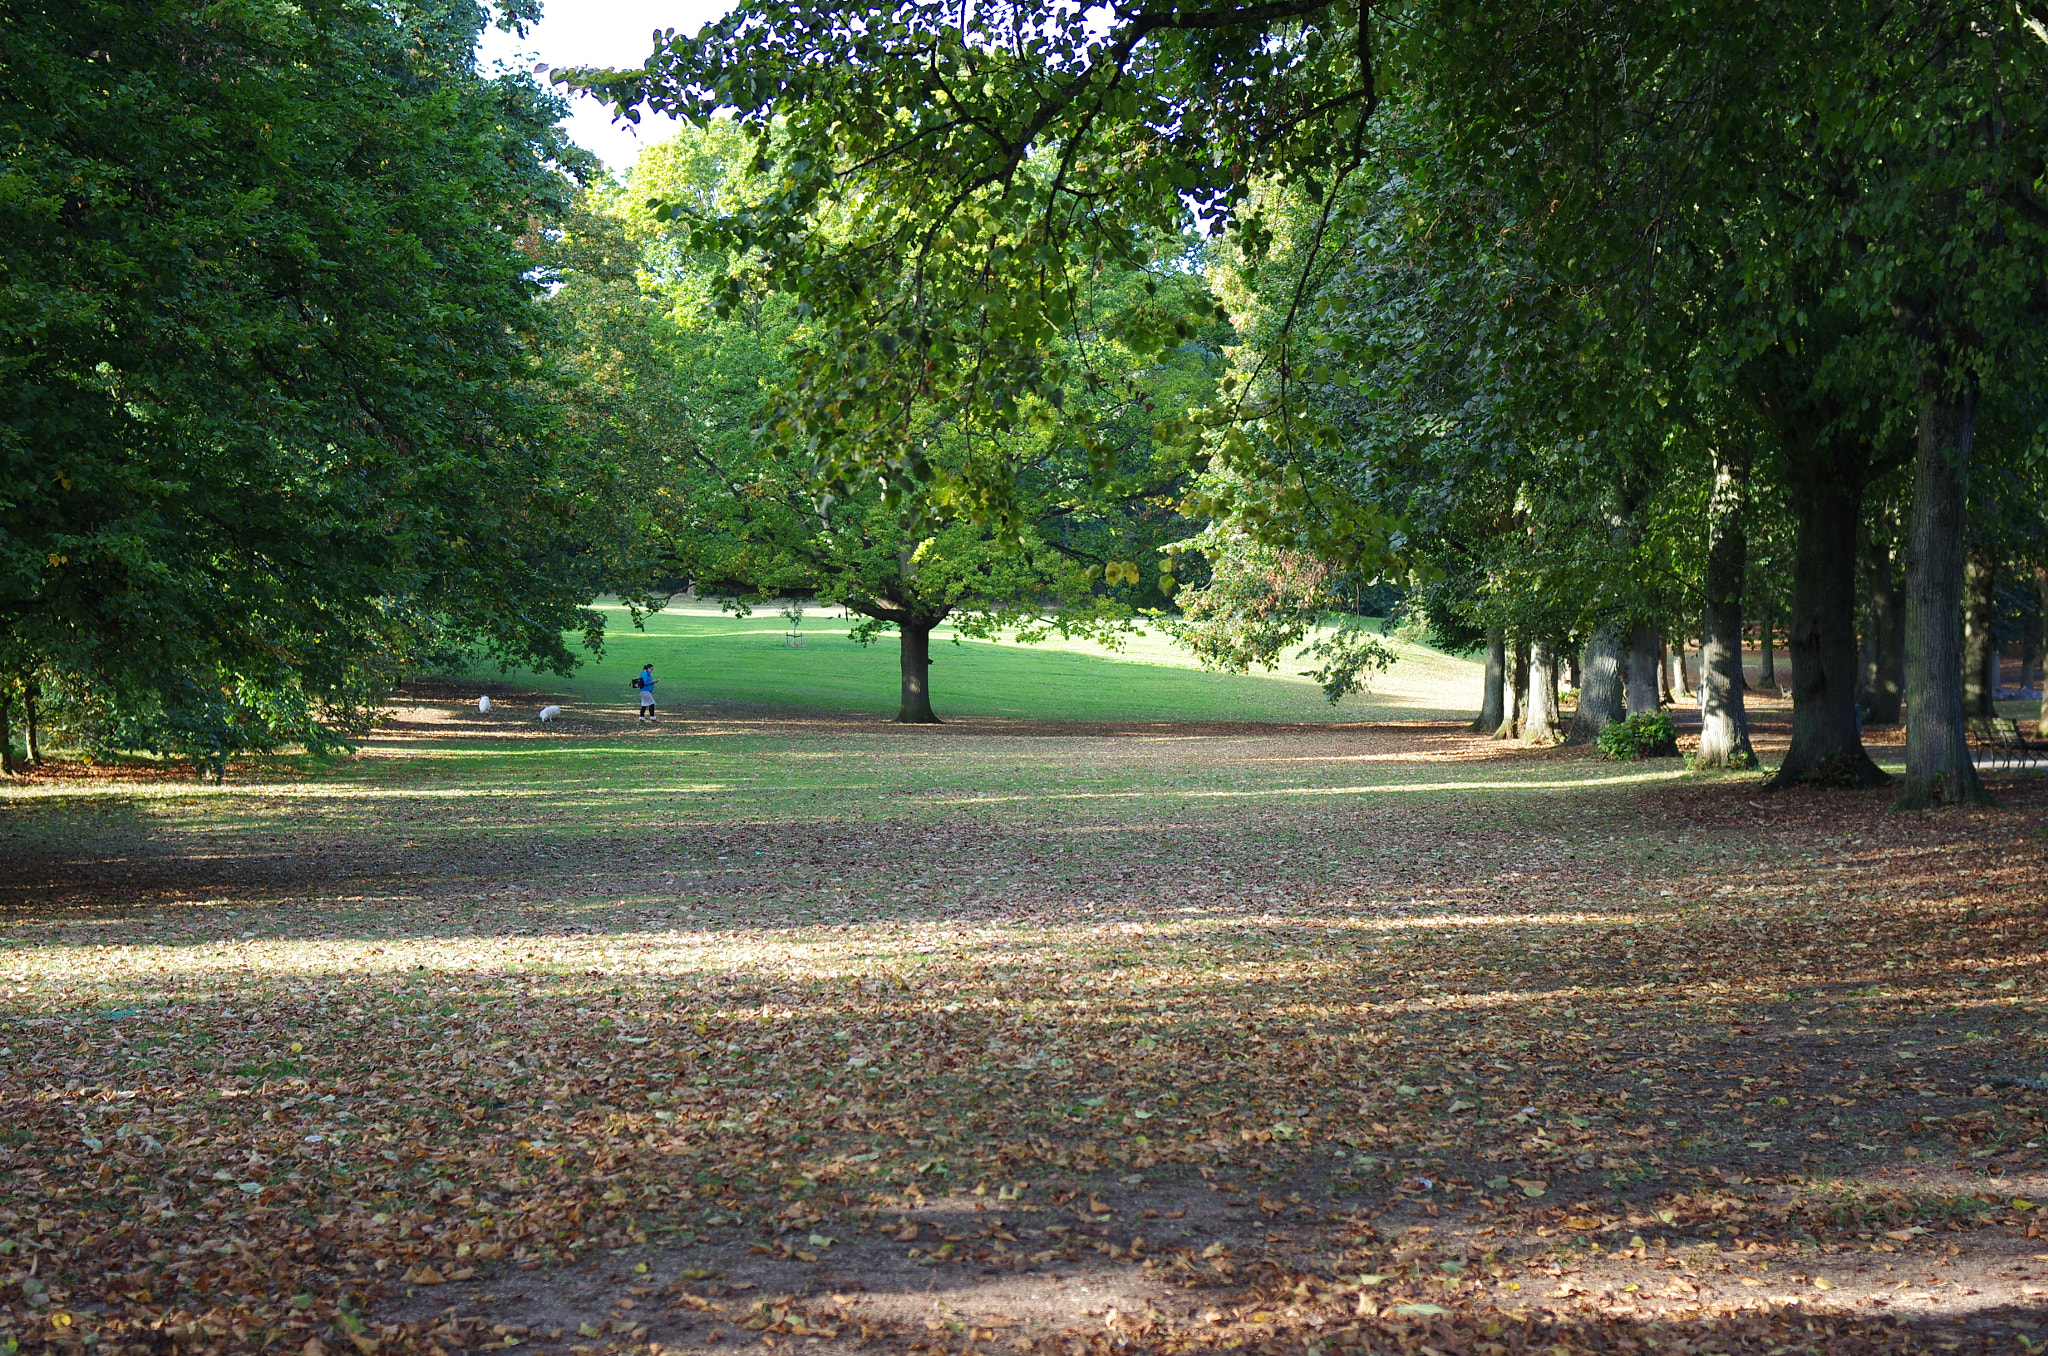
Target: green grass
703, 657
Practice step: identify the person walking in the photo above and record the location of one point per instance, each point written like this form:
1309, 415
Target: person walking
645, 682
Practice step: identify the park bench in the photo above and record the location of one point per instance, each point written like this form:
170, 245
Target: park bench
1999, 738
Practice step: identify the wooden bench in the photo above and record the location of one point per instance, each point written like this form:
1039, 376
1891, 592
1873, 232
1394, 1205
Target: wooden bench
1999, 738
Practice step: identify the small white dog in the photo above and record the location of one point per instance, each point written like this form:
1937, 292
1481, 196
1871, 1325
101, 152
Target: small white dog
483, 703
548, 713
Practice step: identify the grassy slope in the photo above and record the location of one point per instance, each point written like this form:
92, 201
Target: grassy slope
702, 656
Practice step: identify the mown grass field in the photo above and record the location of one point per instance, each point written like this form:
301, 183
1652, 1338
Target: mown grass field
1126, 1011
706, 659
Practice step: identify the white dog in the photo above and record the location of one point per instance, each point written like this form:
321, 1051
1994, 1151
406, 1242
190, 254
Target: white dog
483, 703
548, 713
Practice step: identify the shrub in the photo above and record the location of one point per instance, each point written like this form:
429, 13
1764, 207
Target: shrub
1646, 734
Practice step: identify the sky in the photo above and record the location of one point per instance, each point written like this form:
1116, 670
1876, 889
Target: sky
601, 33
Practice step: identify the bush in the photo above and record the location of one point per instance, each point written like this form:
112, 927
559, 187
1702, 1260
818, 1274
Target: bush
1646, 734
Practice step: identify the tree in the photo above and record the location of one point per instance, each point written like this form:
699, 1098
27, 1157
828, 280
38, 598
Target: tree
683, 359
1724, 720
278, 420
944, 176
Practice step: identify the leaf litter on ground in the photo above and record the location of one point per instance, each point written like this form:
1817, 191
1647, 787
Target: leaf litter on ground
1161, 1037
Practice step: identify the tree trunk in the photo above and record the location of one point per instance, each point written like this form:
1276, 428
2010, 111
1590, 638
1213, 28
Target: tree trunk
1724, 723
1827, 500
1645, 657
1493, 697
1541, 725
1601, 701
1979, 649
1681, 681
2029, 655
2041, 584
30, 691
1884, 678
8, 766
917, 671
1939, 767
1571, 669
1767, 657
1515, 712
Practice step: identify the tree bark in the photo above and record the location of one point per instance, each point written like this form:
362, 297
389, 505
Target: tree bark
1541, 725
1724, 722
1884, 642
8, 766
1980, 574
1826, 490
1601, 700
31, 690
1767, 656
1681, 681
1645, 657
916, 707
1493, 697
1571, 669
2041, 584
1939, 767
1515, 712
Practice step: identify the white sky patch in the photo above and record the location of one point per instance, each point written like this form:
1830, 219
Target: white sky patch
614, 33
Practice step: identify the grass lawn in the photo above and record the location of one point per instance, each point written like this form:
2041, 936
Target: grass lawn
1134, 1009
704, 657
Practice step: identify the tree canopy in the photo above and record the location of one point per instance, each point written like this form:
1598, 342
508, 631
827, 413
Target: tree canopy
279, 418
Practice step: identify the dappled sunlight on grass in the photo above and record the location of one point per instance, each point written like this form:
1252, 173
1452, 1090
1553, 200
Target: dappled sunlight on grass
487, 1001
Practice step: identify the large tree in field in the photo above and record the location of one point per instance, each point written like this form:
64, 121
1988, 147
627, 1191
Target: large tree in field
278, 419
683, 352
